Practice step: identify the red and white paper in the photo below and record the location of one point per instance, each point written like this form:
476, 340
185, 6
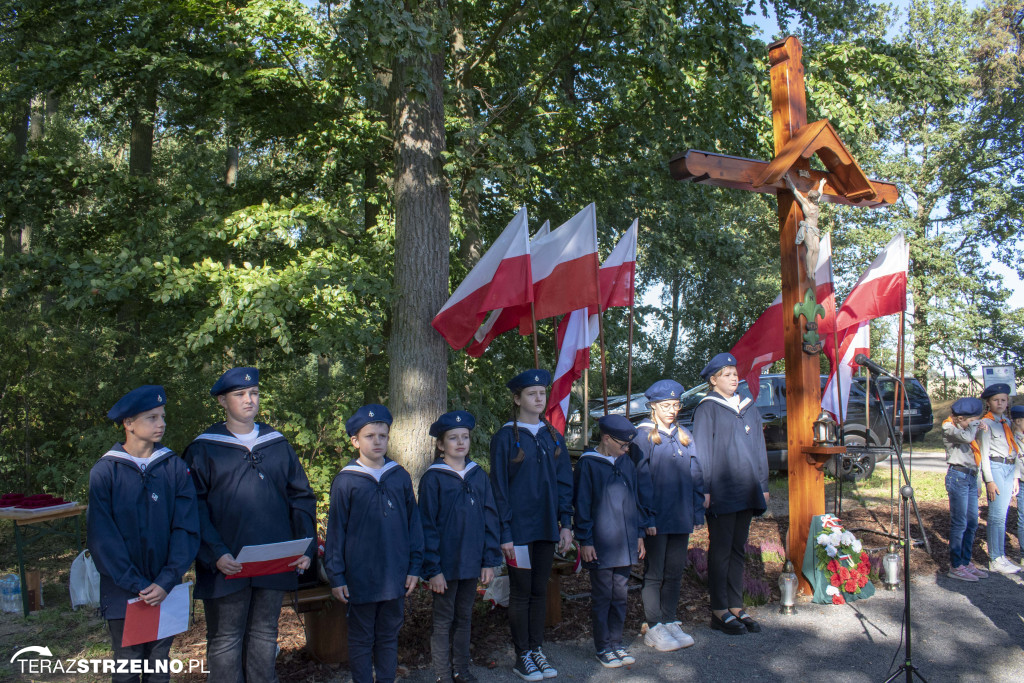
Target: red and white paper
272, 558
145, 623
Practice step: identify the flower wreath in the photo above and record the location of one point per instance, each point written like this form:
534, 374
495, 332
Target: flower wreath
841, 557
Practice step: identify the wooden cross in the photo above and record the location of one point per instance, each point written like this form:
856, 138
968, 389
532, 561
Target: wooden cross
845, 183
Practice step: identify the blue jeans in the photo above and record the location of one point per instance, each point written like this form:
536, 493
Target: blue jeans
608, 606
1003, 476
963, 516
1020, 520
241, 635
373, 640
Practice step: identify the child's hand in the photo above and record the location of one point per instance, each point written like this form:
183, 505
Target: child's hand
341, 593
588, 553
1016, 487
707, 500
486, 575
301, 564
983, 426
153, 595
438, 584
410, 584
651, 531
992, 489
227, 565
564, 540
508, 550
766, 497
640, 547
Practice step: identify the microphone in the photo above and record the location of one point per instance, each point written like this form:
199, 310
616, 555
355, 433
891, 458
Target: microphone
861, 359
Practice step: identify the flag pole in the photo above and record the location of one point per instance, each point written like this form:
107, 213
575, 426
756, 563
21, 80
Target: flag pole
536, 354
600, 329
629, 361
586, 403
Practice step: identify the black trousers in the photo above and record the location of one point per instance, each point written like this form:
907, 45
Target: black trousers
373, 639
449, 641
727, 537
158, 650
608, 606
528, 595
663, 575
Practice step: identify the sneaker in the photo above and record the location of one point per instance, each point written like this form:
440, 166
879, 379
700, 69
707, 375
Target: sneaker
526, 669
675, 630
546, 670
623, 656
977, 571
961, 573
660, 638
1003, 566
608, 659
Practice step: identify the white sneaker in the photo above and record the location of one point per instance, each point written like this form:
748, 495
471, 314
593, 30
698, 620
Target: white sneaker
660, 638
1003, 566
962, 573
675, 629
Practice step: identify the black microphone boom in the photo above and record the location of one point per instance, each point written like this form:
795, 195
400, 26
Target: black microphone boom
861, 359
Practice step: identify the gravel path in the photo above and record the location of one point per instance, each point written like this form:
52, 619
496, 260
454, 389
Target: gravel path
961, 632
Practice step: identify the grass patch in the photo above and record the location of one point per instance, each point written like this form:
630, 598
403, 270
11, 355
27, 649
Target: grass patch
928, 486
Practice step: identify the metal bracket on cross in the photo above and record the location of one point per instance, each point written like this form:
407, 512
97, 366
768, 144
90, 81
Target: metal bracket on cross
810, 309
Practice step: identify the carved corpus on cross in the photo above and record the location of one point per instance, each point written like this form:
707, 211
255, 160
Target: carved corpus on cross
845, 183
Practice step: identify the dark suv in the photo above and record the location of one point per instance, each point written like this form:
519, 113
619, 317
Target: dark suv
867, 440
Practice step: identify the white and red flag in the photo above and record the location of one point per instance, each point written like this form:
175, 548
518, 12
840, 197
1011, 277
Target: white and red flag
881, 290
270, 558
501, 279
578, 330
564, 266
763, 343
854, 340
144, 623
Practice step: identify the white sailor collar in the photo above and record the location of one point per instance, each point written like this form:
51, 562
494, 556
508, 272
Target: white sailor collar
442, 466
594, 455
219, 434
117, 452
355, 468
744, 402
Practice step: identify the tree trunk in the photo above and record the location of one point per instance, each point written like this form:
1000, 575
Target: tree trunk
418, 382
673, 339
140, 154
19, 129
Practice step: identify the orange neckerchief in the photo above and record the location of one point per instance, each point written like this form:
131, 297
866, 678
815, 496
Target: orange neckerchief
1007, 432
975, 449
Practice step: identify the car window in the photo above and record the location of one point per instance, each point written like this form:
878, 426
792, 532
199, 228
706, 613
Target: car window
765, 395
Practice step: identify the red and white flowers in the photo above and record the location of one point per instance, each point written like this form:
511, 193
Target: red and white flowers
841, 558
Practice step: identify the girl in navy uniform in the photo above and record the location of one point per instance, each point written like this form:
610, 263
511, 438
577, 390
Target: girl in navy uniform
609, 526
667, 462
733, 473
460, 541
374, 546
143, 526
532, 482
252, 491
999, 455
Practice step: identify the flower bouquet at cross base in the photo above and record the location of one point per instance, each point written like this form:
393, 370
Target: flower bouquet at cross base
842, 559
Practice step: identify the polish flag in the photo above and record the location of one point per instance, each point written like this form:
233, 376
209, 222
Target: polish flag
881, 290
763, 343
502, 278
578, 330
145, 623
564, 265
270, 558
854, 341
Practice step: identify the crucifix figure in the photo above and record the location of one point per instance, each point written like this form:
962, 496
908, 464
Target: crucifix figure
808, 234
843, 182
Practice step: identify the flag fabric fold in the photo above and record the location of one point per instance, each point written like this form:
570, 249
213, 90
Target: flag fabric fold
853, 341
763, 343
578, 330
881, 290
144, 623
501, 279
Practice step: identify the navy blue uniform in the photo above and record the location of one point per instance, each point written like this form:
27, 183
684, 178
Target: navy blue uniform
666, 479
374, 541
460, 522
143, 527
247, 498
732, 461
608, 512
533, 495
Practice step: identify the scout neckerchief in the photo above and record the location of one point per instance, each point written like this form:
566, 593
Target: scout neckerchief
1007, 432
975, 449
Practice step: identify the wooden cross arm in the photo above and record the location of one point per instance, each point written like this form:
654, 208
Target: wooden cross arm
738, 173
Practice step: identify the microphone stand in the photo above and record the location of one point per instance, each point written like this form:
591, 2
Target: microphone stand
907, 495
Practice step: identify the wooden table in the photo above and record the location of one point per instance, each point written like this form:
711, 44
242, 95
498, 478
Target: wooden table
44, 521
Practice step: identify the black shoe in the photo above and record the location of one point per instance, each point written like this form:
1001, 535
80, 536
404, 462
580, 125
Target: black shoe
463, 677
730, 625
749, 622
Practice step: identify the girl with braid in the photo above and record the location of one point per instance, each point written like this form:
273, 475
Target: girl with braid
532, 481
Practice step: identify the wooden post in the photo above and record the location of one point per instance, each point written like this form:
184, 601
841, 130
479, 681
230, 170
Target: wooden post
803, 383
629, 361
536, 352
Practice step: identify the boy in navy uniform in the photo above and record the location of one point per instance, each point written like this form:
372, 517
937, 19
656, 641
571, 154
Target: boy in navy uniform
959, 431
252, 491
609, 526
460, 535
374, 546
142, 522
